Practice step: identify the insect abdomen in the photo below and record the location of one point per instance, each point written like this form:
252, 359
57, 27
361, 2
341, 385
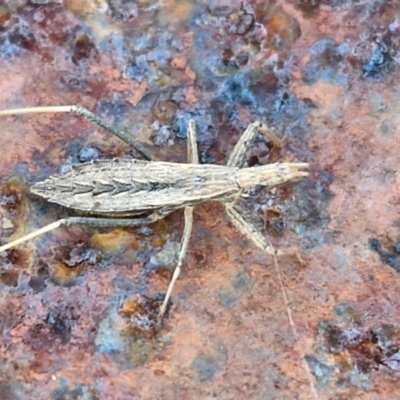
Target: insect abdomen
128, 185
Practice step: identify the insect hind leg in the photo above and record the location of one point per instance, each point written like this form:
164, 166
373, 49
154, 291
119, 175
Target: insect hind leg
90, 221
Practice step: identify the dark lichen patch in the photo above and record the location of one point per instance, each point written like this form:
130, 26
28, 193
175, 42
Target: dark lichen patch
310, 211
378, 52
327, 62
84, 48
238, 71
369, 349
283, 30
347, 353
377, 63
17, 258
275, 222
390, 258
88, 153
16, 38
141, 315
69, 262
20, 31
37, 283
55, 327
60, 323
82, 392
9, 278
39, 276
79, 253
13, 209
310, 7
5, 16
322, 372
231, 295
9, 388
165, 111
206, 366
11, 198
130, 335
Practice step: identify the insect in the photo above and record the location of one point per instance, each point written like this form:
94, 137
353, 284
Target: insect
131, 192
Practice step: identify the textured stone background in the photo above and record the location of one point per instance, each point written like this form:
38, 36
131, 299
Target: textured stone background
77, 306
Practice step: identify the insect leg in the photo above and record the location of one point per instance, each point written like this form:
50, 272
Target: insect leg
239, 153
182, 253
91, 221
249, 229
83, 112
193, 158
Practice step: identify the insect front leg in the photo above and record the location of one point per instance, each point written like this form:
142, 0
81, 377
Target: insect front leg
192, 151
193, 158
88, 115
249, 229
239, 153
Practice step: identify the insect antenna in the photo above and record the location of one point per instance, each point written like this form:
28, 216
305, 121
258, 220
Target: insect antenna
293, 328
